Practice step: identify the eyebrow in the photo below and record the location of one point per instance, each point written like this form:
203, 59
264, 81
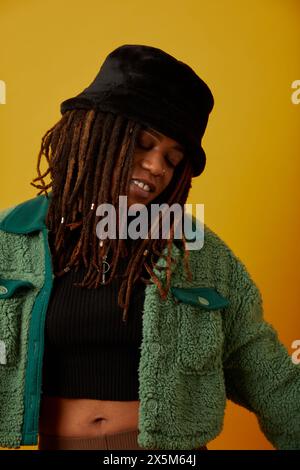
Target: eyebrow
156, 134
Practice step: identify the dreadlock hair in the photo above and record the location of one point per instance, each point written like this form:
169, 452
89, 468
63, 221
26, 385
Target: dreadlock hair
83, 150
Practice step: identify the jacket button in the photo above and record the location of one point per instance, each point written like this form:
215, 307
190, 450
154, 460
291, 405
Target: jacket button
155, 347
151, 404
203, 301
3, 290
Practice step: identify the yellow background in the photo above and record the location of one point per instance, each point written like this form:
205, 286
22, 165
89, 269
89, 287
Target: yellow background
248, 53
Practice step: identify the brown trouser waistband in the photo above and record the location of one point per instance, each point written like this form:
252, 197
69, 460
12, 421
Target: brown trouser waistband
118, 441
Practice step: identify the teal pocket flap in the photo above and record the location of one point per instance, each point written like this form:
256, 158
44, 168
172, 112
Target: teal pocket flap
9, 286
202, 297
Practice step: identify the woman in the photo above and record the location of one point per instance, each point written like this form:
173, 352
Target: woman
156, 160
144, 339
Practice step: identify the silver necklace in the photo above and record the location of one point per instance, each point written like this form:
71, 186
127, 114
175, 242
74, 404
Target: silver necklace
105, 268
105, 264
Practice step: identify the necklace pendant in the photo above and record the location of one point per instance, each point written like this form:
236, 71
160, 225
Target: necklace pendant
105, 269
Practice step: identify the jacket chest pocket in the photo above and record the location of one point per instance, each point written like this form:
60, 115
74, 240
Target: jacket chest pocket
200, 334
12, 299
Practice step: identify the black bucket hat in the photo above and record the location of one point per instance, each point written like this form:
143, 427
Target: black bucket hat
152, 87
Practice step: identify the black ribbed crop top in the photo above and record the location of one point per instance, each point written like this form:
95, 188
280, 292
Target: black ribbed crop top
89, 351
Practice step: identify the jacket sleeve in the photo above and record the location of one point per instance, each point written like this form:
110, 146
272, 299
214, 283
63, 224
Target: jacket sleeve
259, 373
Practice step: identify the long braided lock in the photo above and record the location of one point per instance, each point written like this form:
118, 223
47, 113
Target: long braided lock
83, 149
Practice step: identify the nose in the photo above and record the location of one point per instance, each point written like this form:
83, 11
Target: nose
154, 162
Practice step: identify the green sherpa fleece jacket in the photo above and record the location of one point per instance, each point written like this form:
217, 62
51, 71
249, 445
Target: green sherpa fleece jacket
208, 341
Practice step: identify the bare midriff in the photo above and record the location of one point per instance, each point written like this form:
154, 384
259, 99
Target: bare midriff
73, 417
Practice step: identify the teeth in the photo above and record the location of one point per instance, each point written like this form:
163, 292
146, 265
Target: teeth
141, 185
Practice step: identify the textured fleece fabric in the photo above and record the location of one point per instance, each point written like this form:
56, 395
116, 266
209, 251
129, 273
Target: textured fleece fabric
193, 356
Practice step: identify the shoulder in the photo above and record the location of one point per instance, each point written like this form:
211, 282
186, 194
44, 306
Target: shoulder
26, 217
213, 251
222, 265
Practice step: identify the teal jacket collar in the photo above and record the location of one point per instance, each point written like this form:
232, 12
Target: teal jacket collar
27, 217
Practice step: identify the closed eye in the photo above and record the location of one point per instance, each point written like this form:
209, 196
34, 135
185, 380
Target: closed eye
174, 161
143, 146
171, 163
144, 143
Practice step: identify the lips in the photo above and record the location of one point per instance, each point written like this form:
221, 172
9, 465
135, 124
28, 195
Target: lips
146, 181
139, 192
